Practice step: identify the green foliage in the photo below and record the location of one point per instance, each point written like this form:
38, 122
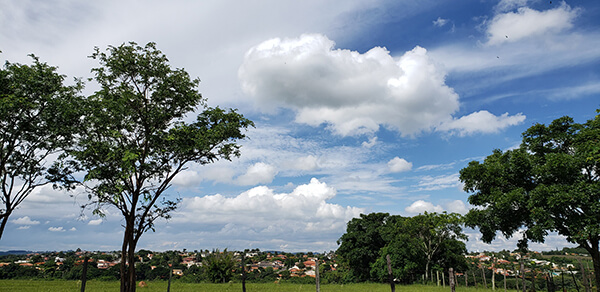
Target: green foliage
550, 183
219, 266
135, 138
38, 116
414, 244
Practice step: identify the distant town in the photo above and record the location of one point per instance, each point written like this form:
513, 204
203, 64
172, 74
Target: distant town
272, 266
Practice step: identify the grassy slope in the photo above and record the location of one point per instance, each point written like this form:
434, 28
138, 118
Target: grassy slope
97, 286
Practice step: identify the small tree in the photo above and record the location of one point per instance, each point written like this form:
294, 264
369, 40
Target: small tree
135, 141
38, 114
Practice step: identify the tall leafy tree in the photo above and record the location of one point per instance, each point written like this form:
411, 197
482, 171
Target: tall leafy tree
434, 231
136, 140
551, 183
38, 114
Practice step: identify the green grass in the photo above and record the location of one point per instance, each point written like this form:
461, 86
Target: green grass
97, 286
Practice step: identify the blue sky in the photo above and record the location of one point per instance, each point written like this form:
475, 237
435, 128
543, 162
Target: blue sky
360, 106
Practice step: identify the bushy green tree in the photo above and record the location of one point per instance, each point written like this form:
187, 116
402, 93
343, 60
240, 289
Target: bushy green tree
219, 266
361, 244
550, 183
38, 116
135, 139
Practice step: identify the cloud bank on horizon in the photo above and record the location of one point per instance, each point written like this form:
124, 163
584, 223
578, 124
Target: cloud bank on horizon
360, 107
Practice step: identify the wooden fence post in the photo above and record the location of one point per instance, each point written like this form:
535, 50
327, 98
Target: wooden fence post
523, 282
84, 273
585, 281
317, 280
244, 271
390, 274
451, 277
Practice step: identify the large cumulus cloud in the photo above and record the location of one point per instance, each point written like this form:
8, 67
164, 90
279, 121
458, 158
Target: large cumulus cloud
352, 93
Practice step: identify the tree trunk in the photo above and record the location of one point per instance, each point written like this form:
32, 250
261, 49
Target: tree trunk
595, 253
3, 223
127, 270
484, 280
475, 280
493, 278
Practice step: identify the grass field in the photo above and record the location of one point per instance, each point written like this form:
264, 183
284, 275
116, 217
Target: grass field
96, 286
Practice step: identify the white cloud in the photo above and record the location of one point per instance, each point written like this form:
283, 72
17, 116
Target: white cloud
480, 122
24, 227
309, 162
261, 211
56, 229
73, 229
399, 165
429, 183
527, 22
95, 221
508, 5
456, 206
352, 93
187, 178
439, 22
25, 220
372, 142
258, 173
420, 206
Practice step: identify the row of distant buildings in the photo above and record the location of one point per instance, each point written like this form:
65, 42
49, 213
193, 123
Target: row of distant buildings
305, 267
508, 268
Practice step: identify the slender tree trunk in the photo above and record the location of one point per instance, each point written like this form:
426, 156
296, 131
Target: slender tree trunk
475, 279
484, 280
123, 268
493, 278
595, 253
4, 221
427, 270
466, 279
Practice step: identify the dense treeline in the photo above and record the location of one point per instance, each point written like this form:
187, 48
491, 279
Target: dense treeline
417, 246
